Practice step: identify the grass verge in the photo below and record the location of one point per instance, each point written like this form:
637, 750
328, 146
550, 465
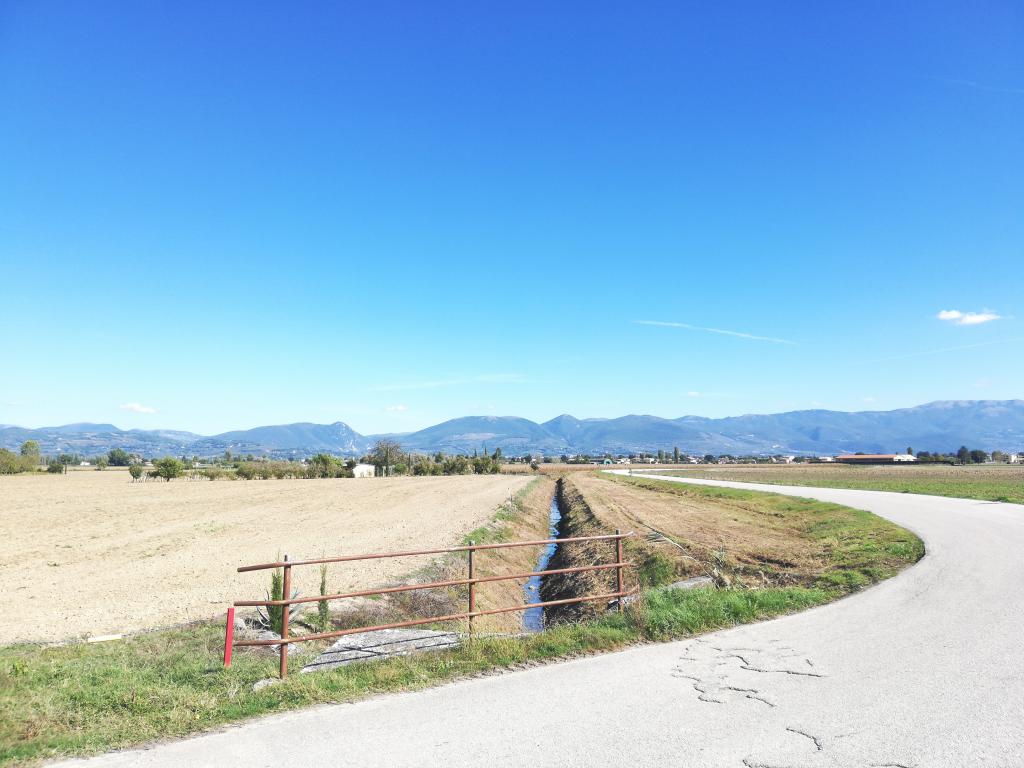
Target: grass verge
83, 699
986, 483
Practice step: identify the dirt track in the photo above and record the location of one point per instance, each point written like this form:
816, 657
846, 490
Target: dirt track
92, 553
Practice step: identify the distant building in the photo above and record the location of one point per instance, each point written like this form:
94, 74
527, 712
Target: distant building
364, 470
827, 458
1013, 458
877, 458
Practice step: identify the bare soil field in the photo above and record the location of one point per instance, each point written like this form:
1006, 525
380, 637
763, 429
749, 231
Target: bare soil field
91, 553
992, 482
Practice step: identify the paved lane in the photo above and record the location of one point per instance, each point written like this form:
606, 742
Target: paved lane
924, 670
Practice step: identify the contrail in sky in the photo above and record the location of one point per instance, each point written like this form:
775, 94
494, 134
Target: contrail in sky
737, 334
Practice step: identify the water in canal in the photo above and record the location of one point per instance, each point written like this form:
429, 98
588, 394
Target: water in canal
533, 618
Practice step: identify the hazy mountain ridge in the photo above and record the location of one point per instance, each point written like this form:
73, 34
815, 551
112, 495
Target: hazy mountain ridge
942, 425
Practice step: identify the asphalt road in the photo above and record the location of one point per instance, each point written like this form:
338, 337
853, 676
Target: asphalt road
923, 670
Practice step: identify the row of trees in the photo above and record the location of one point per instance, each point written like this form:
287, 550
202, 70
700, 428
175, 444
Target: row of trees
12, 463
321, 465
388, 458
28, 459
964, 455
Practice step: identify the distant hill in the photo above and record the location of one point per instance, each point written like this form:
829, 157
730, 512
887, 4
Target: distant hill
303, 438
938, 426
510, 433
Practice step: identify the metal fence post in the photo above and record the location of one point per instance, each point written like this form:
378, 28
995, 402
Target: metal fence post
472, 590
618, 571
286, 593
229, 637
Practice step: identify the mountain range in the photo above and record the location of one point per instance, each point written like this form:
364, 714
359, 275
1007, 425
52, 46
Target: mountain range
937, 426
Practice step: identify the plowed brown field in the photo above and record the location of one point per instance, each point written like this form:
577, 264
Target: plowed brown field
92, 553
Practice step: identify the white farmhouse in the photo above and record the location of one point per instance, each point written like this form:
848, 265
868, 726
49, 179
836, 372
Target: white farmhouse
364, 470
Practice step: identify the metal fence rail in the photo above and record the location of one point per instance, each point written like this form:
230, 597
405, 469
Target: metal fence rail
471, 581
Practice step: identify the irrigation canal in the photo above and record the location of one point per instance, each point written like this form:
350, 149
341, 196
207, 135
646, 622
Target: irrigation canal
533, 618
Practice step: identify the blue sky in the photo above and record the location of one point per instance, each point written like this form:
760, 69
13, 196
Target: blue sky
391, 214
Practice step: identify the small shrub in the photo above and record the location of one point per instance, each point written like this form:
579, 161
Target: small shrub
323, 612
656, 569
272, 618
135, 470
276, 612
168, 468
246, 470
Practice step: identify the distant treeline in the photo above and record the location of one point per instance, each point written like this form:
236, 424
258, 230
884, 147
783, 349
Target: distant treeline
388, 459
964, 455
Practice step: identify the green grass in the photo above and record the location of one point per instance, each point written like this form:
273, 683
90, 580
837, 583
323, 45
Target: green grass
987, 483
84, 698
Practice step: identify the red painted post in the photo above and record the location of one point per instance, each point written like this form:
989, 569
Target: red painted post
229, 637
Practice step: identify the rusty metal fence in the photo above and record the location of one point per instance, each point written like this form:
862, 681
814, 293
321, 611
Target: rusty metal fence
471, 581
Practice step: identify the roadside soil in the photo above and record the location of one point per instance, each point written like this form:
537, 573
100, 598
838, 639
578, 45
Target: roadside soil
749, 539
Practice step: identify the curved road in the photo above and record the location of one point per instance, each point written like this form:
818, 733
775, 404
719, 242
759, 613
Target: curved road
923, 670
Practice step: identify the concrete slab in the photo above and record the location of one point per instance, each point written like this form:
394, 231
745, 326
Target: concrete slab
382, 644
692, 583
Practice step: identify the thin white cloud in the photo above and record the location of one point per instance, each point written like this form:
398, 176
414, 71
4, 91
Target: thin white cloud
399, 408
737, 334
927, 352
693, 393
137, 408
957, 317
483, 378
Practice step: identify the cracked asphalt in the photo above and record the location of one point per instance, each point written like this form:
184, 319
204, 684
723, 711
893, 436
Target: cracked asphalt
923, 670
